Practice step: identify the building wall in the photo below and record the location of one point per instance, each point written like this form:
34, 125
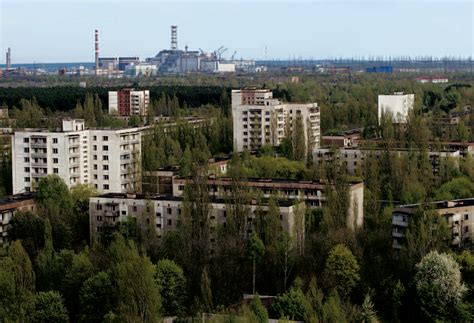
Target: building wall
111, 210
9, 206
354, 158
103, 158
398, 104
458, 213
259, 120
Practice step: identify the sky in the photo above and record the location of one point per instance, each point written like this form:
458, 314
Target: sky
63, 31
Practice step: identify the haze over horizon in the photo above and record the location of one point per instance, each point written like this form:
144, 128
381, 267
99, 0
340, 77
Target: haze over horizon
54, 31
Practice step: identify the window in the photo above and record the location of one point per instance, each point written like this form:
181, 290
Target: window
466, 216
105, 148
55, 140
95, 176
134, 208
169, 222
168, 210
158, 214
95, 147
94, 138
27, 179
105, 157
55, 160
27, 189
27, 159
106, 177
105, 138
26, 150
124, 212
98, 207
56, 170
106, 186
99, 218
26, 140
55, 150
95, 157
105, 167
27, 169
267, 113
95, 166
267, 119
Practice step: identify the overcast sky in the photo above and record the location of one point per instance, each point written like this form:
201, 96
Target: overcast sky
63, 31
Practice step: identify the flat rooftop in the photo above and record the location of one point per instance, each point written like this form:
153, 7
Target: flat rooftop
264, 201
9, 199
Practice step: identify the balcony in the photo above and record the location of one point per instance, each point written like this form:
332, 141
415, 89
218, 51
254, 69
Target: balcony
38, 155
399, 223
38, 144
111, 214
38, 175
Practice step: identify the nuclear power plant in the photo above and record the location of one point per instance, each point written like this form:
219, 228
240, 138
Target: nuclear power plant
172, 61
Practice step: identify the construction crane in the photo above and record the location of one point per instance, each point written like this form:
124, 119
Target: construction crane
233, 54
218, 52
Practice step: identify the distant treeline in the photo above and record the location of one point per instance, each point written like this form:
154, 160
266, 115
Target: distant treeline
65, 98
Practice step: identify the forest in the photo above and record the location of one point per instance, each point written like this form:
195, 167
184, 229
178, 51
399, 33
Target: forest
51, 272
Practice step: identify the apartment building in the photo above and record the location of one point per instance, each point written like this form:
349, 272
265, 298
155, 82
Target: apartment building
109, 159
168, 181
259, 119
129, 102
354, 157
458, 213
9, 205
398, 104
107, 211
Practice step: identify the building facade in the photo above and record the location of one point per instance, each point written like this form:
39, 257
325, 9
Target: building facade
108, 159
128, 102
459, 215
9, 205
353, 157
398, 104
259, 119
109, 210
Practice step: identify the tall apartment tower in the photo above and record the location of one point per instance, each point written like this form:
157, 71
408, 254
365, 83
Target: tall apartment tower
259, 119
128, 102
107, 159
398, 104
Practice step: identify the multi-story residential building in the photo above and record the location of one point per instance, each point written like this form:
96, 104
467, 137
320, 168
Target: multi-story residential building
109, 210
128, 102
109, 159
398, 104
458, 213
354, 158
9, 205
259, 119
313, 193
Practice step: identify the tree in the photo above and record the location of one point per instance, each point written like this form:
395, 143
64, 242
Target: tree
368, 313
56, 204
172, 285
17, 284
136, 289
292, 305
438, 285
29, 228
46, 263
255, 250
49, 307
332, 310
96, 298
206, 292
258, 309
341, 270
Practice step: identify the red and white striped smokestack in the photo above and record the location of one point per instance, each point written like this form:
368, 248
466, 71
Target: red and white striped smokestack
96, 52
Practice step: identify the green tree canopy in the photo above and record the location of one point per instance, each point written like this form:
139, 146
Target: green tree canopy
341, 270
49, 307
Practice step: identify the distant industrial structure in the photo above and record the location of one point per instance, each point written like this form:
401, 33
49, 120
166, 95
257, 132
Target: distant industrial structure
172, 61
8, 59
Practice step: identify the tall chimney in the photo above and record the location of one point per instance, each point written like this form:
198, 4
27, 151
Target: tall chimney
174, 37
96, 52
8, 59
